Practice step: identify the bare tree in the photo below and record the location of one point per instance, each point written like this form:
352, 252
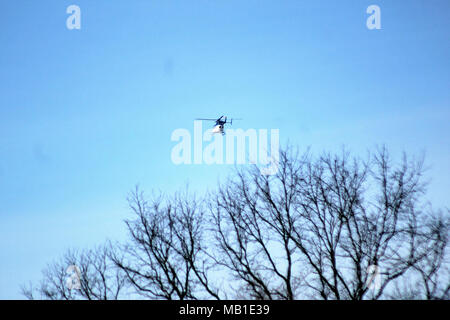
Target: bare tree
165, 258
434, 269
326, 227
429, 277
89, 275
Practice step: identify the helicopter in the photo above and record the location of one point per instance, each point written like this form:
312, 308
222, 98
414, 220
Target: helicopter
219, 126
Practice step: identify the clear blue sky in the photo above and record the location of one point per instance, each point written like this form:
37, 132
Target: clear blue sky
87, 114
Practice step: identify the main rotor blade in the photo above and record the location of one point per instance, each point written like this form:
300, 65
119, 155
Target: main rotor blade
206, 119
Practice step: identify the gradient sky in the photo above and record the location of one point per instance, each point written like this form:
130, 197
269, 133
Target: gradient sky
87, 114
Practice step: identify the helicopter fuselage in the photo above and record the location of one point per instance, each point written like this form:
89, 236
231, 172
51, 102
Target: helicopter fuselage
218, 128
